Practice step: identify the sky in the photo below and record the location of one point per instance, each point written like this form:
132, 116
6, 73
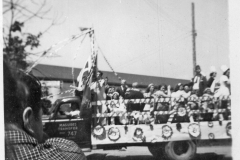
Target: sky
146, 37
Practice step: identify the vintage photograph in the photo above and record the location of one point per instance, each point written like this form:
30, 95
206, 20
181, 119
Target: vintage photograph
117, 79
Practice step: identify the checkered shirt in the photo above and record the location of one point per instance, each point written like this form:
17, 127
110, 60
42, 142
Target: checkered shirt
21, 146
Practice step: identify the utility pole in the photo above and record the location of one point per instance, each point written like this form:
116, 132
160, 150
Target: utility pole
194, 34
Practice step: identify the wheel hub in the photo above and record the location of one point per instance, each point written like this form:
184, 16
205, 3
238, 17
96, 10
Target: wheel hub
180, 147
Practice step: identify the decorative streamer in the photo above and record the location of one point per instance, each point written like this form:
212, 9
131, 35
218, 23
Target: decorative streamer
67, 41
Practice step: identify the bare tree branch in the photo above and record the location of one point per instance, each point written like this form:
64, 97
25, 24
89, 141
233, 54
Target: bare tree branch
37, 13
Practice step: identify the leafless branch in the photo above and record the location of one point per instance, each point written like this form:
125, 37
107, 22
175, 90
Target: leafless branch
37, 14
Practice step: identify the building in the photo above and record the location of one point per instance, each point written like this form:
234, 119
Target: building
67, 75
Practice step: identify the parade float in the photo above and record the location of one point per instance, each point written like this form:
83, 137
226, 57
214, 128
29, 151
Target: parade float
175, 138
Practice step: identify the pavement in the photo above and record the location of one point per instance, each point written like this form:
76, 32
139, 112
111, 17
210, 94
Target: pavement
204, 152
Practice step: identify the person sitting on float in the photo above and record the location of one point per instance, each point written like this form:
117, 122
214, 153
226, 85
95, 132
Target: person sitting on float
149, 93
117, 107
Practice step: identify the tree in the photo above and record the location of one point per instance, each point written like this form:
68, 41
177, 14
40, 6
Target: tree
18, 44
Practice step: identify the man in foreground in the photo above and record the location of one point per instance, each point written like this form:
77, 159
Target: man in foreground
24, 136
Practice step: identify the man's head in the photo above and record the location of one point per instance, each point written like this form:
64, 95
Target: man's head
99, 75
22, 102
106, 80
123, 82
198, 69
135, 85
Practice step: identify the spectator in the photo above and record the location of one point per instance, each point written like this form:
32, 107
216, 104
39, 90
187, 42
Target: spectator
24, 134
98, 90
199, 81
211, 83
122, 89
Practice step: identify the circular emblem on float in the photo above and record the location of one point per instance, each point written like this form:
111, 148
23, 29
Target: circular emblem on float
167, 132
99, 132
114, 134
211, 136
182, 111
194, 130
229, 128
138, 135
210, 124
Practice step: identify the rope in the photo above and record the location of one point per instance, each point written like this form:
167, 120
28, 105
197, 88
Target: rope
67, 41
115, 73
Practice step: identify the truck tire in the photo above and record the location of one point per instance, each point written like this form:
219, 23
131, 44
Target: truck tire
181, 150
158, 151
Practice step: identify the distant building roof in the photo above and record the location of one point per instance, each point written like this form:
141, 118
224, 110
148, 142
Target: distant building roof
49, 72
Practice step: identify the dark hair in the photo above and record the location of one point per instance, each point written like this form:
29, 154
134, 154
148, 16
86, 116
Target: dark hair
161, 85
148, 88
226, 72
211, 74
21, 90
101, 73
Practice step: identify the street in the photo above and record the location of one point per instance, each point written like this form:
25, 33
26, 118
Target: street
204, 152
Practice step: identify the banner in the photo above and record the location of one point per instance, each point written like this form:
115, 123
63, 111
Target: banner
85, 79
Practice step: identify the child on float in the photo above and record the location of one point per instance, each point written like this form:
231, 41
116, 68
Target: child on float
117, 106
162, 106
207, 104
148, 116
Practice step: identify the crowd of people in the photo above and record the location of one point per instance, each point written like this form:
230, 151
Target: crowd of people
200, 85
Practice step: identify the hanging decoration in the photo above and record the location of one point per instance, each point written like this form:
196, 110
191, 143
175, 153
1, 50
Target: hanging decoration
151, 127
181, 111
99, 132
210, 124
139, 136
211, 136
194, 130
114, 134
167, 132
179, 127
228, 129
126, 129
54, 49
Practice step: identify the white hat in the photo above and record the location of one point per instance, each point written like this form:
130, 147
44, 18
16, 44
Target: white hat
224, 68
213, 69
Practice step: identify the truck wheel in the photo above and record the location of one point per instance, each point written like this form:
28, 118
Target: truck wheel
181, 150
158, 151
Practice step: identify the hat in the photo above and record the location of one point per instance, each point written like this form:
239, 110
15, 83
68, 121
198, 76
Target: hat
123, 81
213, 69
151, 84
115, 93
180, 84
224, 68
135, 84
